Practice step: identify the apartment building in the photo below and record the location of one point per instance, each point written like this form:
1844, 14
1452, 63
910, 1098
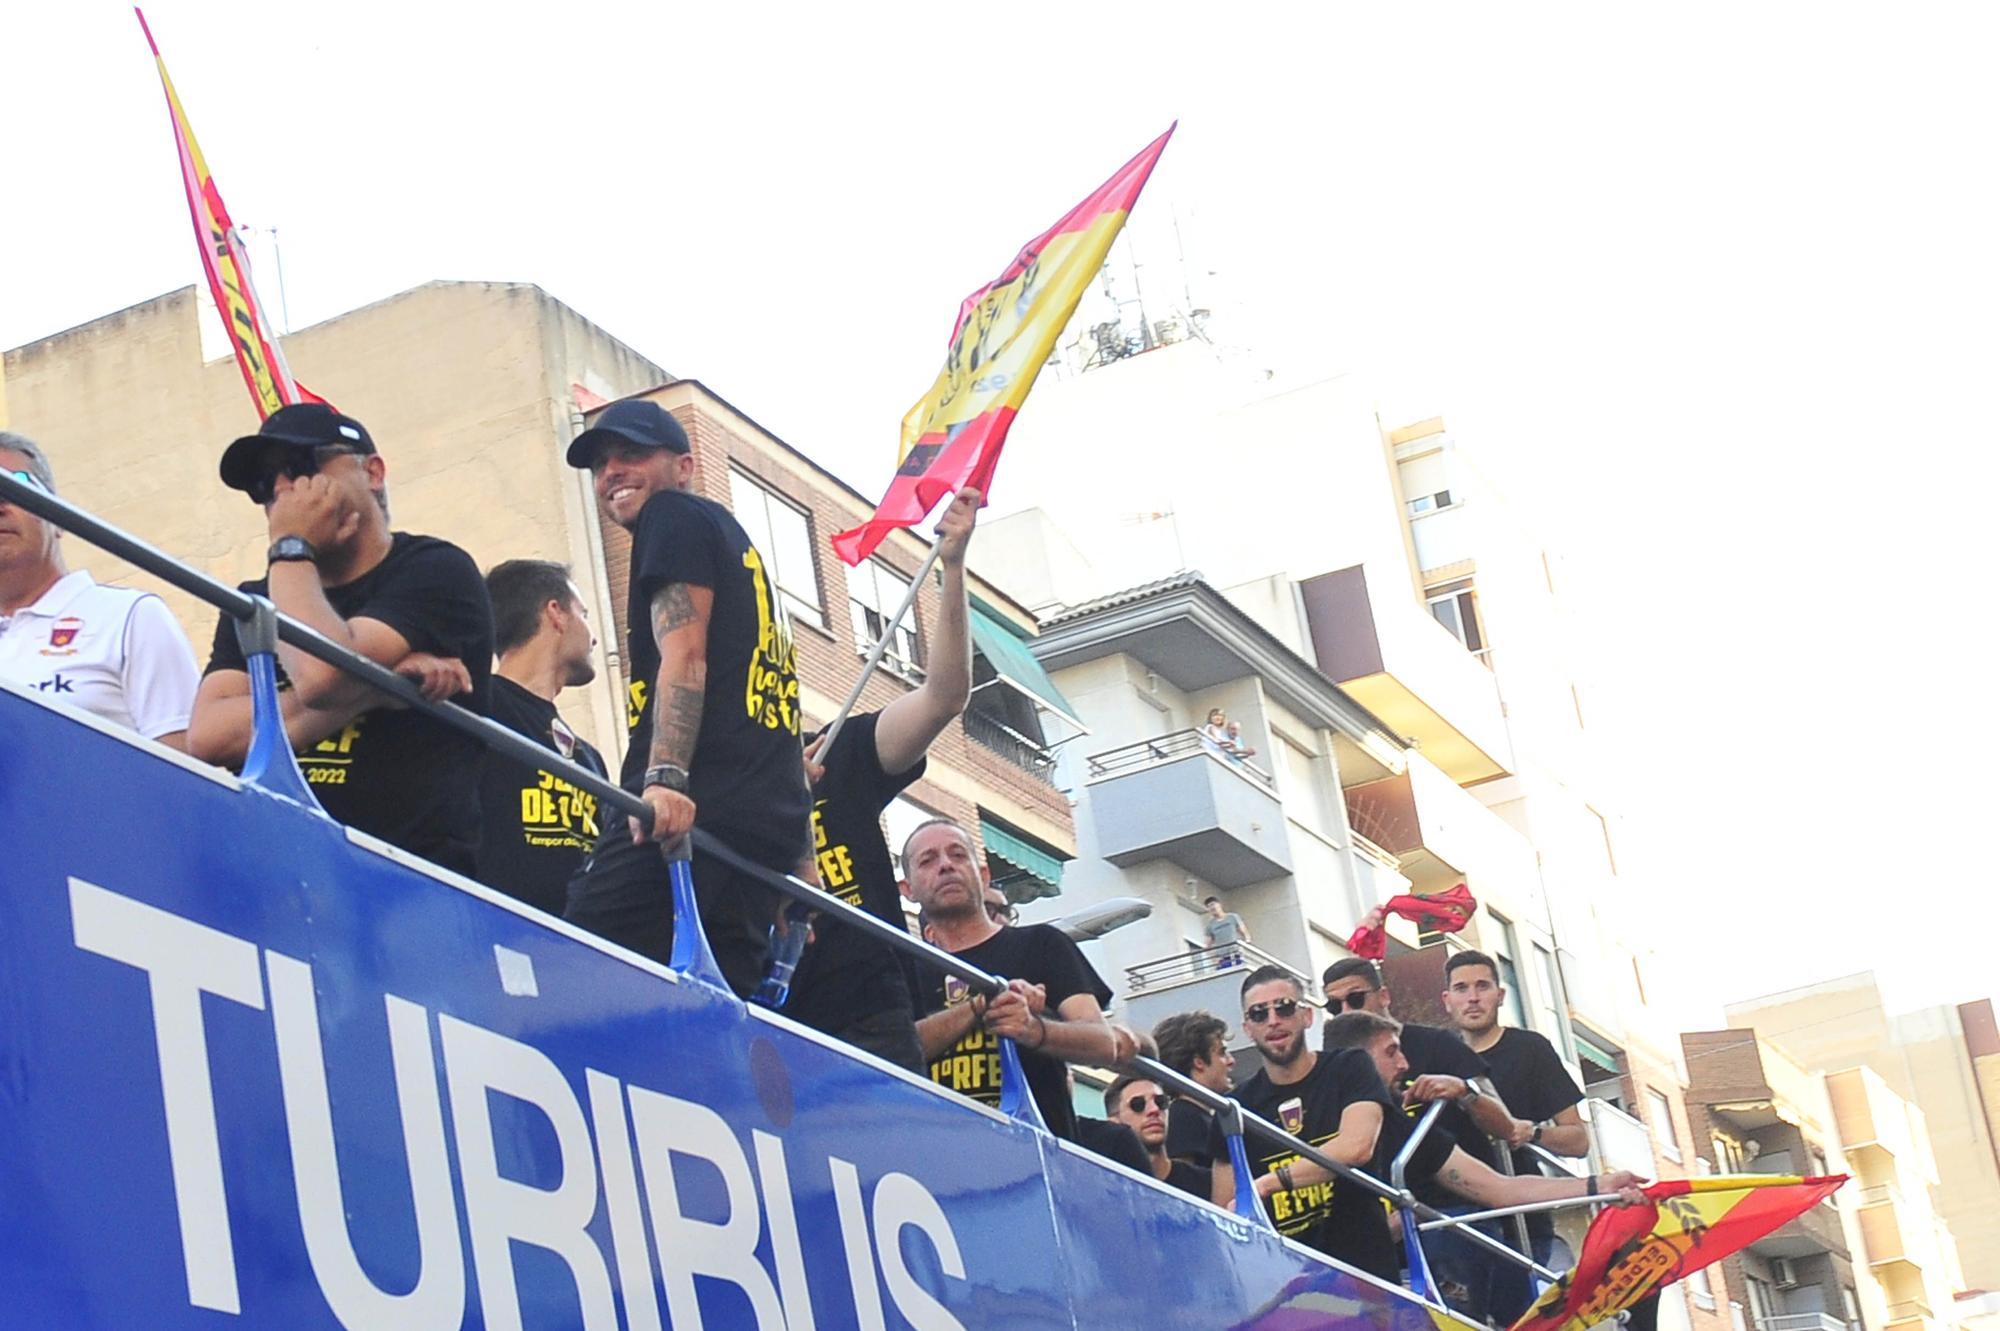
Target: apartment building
1945, 1060
1752, 1110
472, 391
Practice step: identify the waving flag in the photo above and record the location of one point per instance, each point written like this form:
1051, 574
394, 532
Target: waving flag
226, 266
1004, 334
1630, 1251
1441, 912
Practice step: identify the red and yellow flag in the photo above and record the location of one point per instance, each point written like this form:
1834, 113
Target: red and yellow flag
225, 264
1004, 334
1630, 1251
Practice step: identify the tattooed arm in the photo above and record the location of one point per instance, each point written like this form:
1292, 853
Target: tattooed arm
680, 631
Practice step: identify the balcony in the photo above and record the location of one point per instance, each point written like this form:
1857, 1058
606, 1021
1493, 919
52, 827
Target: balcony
1874, 1129
1623, 1142
1395, 659
1801, 1322
1177, 798
1023, 752
1909, 1314
1888, 1233
1442, 835
1207, 979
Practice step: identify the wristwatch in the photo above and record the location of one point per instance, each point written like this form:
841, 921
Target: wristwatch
291, 549
1471, 1094
1536, 1139
671, 775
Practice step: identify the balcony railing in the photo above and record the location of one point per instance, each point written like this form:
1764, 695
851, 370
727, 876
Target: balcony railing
1623, 1142
1801, 1322
1011, 744
1201, 964
1165, 748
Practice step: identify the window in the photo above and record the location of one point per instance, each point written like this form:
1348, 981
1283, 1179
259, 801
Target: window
1430, 503
1503, 956
1456, 606
783, 536
875, 592
1704, 1293
1661, 1110
1304, 790
1728, 1159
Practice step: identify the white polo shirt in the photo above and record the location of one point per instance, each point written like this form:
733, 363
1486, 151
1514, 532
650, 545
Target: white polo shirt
109, 650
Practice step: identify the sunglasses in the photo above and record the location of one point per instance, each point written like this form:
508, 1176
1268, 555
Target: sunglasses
29, 478
1284, 1008
1353, 1002
294, 464
1136, 1104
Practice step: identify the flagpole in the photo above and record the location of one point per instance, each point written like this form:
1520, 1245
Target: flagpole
881, 646
288, 387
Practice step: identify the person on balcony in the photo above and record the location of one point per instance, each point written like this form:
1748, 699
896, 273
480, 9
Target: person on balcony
1234, 744
116, 652
1224, 930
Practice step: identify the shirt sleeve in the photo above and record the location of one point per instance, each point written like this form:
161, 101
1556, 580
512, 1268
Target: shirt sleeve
159, 673
436, 599
676, 542
225, 652
1562, 1090
1065, 971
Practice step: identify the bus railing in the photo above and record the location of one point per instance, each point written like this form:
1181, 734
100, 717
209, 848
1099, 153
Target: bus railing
271, 766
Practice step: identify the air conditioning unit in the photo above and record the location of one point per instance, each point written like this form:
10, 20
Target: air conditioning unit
1785, 1273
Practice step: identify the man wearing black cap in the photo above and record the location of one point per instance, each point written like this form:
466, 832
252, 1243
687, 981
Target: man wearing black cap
713, 708
412, 603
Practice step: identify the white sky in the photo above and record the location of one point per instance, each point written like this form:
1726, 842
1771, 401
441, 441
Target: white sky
1713, 286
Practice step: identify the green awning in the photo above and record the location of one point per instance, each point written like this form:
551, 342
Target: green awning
1040, 872
1596, 1053
1006, 650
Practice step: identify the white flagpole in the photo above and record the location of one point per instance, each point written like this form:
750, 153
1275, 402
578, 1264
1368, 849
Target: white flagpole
881, 646
288, 387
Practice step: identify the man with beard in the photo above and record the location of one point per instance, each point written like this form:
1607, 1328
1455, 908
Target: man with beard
1139, 1103
538, 827
1333, 1101
712, 737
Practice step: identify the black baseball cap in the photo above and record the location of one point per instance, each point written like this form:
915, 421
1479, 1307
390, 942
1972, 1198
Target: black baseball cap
303, 425
630, 422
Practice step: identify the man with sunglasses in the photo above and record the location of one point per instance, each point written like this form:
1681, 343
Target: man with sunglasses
1334, 1101
1139, 1103
414, 604
115, 652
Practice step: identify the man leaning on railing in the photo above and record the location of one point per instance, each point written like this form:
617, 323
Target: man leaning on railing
414, 604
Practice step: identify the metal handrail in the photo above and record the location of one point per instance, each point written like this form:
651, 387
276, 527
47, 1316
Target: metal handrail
259, 617
1200, 963
244, 608
1188, 1088
1145, 753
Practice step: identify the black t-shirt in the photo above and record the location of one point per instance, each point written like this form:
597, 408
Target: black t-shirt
746, 780
1113, 1141
1341, 1219
846, 976
1531, 1078
1040, 954
1187, 1131
1190, 1179
537, 827
394, 772
1433, 1051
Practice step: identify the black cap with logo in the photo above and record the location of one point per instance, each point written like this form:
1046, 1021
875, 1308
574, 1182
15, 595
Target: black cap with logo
631, 422
302, 425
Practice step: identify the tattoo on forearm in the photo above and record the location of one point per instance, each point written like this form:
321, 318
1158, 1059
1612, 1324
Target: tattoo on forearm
677, 721
673, 607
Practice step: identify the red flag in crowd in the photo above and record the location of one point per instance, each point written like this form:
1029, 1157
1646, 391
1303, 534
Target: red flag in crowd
1444, 912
